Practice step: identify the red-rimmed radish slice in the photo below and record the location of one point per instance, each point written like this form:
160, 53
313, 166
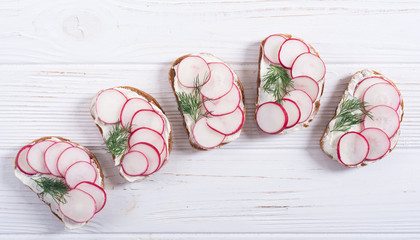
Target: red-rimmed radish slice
293, 112
78, 206
271, 117
307, 85
147, 135
94, 191
192, 68
352, 148
379, 143
224, 105
227, 124
382, 94
70, 156
271, 48
109, 104
134, 163
163, 156
310, 65
21, 162
365, 84
131, 106
80, 172
151, 153
149, 119
204, 136
384, 118
51, 156
220, 81
303, 101
35, 156
290, 50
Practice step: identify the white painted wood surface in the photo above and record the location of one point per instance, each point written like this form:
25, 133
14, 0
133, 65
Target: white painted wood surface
55, 55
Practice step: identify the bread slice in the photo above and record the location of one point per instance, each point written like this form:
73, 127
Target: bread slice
329, 143
173, 81
136, 93
29, 182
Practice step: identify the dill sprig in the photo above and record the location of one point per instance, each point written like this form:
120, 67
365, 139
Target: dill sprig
117, 141
277, 82
352, 112
55, 187
191, 103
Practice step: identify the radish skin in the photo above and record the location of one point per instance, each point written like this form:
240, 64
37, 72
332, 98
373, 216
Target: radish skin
293, 112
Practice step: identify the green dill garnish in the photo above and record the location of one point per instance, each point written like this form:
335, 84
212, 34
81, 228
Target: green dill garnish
55, 187
117, 141
277, 82
352, 112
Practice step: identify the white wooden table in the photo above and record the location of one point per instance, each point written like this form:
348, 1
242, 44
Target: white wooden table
55, 55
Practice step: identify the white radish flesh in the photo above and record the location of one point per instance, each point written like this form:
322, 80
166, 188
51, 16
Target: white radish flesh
51, 156
307, 85
109, 104
134, 163
379, 143
147, 135
365, 84
352, 149
384, 118
271, 117
293, 112
271, 48
78, 206
94, 191
35, 156
204, 136
80, 172
152, 155
192, 68
70, 156
130, 107
220, 81
290, 50
227, 124
304, 103
147, 118
21, 162
310, 65
224, 105
382, 94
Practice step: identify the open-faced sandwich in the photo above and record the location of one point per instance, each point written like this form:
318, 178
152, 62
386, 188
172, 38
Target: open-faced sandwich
290, 84
135, 129
210, 99
65, 175
366, 125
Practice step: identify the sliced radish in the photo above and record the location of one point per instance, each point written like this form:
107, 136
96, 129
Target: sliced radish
94, 191
205, 136
293, 112
191, 69
304, 103
382, 94
220, 82
148, 118
379, 143
70, 156
365, 84
290, 50
35, 156
51, 156
271, 117
109, 104
147, 135
80, 172
352, 148
134, 163
152, 155
21, 162
131, 106
307, 85
384, 118
271, 48
224, 105
227, 124
163, 156
310, 65
78, 206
